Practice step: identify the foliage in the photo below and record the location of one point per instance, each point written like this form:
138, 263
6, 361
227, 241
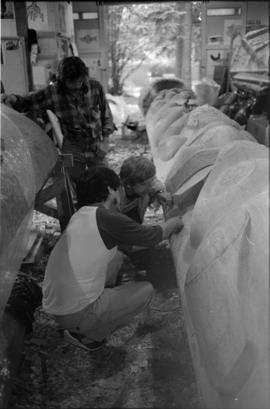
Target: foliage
158, 70
142, 31
137, 32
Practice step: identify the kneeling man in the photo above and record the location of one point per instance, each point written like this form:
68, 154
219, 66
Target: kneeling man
79, 281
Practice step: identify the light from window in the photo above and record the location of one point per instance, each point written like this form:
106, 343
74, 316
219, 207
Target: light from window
76, 16
89, 16
224, 12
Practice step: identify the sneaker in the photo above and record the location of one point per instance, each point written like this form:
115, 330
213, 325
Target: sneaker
77, 340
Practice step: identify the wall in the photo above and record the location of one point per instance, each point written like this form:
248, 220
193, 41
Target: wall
91, 39
51, 16
8, 22
15, 62
257, 13
216, 37
216, 30
53, 22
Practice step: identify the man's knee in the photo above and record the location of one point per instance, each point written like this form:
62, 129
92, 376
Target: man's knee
146, 291
119, 256
113, 268
116, 262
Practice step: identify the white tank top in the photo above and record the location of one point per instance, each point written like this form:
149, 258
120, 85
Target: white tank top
76, 271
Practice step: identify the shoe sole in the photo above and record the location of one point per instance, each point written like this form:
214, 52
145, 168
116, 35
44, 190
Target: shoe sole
77, 343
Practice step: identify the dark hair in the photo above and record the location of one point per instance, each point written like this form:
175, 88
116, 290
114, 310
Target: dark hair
71, 68
92, 187
137, 169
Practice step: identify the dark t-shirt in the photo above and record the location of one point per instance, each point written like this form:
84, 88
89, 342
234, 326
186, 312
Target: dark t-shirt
117, 229
134, 214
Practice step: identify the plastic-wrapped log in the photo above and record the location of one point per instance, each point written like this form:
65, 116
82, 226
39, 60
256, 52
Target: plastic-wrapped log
218, 177
148, 95
175, 107
222, 263
27, 158
207, 91
203, 141
169, 107
189, 143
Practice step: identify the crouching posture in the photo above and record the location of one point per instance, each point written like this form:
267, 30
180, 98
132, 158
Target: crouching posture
140, 187
83, 266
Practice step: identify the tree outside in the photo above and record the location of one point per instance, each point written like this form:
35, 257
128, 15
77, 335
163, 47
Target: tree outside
140, 33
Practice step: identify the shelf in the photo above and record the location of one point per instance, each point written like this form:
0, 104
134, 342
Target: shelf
47, 56
51, 34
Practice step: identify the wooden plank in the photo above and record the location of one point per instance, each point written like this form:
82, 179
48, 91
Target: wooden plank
34, 247
48, 210
65, 205
57, 186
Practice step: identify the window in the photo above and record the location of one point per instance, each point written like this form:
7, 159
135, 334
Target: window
234, 11
85, 16
89, 16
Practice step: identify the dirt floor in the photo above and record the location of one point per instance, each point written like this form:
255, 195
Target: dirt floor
146, 364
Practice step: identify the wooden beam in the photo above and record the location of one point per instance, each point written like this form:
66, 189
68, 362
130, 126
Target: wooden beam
22, 31
50, 192
65, 205
49, 211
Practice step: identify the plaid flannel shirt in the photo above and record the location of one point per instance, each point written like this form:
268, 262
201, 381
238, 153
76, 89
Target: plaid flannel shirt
85, 119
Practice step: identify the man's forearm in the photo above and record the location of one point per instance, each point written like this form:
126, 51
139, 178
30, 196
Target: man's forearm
108, 125
102, 147
107, 130
22, 104
11, 100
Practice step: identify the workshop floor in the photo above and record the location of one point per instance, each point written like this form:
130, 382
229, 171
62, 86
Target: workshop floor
146, 364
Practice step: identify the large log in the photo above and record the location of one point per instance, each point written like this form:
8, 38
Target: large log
149, 94
217, 174
193, 145
27, 158
222, 265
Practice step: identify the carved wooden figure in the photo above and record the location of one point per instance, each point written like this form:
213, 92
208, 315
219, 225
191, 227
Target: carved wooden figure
218, 175
222, 264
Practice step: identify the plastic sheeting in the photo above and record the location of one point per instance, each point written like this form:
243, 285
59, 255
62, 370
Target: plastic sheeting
217, 173
27, 157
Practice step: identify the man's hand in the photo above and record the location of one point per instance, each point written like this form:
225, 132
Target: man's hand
9, 100
164, 198
172, 225
102, 148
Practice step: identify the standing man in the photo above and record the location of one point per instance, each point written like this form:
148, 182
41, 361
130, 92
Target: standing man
82, 109
79, 285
